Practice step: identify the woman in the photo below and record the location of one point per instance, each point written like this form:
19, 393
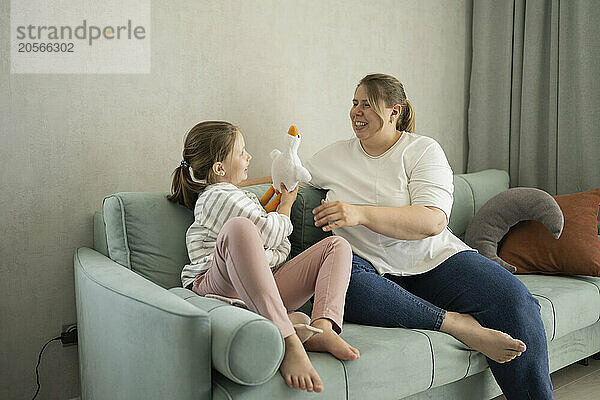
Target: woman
389, 193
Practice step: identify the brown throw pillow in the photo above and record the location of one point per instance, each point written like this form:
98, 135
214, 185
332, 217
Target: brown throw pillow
531, 248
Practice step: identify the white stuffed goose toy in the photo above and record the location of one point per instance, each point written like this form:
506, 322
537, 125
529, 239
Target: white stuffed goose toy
286, 168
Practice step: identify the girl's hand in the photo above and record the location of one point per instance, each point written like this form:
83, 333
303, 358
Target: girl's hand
288, 198
336, 214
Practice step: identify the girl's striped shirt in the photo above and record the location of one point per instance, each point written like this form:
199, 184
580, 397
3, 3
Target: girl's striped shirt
215, 206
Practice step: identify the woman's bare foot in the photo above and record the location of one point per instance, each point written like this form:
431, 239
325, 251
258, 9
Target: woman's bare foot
296, 368
496, 345
330, 342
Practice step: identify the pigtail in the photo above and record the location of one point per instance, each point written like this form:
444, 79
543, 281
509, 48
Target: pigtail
407, 121
184, 189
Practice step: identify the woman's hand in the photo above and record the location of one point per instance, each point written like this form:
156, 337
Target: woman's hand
336, 214
288, 198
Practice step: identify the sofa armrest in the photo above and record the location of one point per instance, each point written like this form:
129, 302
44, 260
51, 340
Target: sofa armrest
246, 347
137, 340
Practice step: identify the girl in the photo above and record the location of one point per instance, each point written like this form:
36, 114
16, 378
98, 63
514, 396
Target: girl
390, 188
238, 250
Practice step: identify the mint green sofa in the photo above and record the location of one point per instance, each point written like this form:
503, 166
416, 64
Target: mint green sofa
142, 336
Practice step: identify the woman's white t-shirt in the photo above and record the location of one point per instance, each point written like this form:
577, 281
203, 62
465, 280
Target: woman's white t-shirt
414, 171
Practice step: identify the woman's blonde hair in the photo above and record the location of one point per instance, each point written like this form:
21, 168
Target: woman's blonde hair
205, 144
390, 90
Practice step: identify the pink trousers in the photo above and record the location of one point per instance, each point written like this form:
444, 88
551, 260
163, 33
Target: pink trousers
240, 270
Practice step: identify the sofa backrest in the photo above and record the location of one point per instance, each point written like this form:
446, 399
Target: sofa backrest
146, 233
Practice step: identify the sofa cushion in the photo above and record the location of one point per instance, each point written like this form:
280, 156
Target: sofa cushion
246, 347
331, 371
556, 293
575, 303
485, 185
394, 362
568, 304
594, 280
146, 233
451, 358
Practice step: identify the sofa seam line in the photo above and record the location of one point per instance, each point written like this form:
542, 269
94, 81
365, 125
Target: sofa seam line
125, 234
347, 380
432, 357
125, 241
224, 390
469, 365
553, 314
472, 197
105, 227
83, 270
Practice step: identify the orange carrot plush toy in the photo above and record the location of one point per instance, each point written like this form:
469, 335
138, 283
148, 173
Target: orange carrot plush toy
286, 168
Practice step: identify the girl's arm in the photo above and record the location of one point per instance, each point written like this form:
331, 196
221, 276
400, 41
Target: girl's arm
220, 207
279, 254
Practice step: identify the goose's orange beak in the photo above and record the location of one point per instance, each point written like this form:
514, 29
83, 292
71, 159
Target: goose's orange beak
293, 131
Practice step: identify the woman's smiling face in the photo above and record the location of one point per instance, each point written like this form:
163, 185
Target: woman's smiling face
365, 121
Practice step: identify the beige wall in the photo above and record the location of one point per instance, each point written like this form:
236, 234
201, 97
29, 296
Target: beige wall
66, 141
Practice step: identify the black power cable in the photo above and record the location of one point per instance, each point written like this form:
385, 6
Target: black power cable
37, 373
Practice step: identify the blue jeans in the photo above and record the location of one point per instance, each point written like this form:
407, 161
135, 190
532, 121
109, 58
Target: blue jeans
465, 283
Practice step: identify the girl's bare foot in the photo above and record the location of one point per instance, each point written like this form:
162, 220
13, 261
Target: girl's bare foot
496, 345
296, 368
330, 342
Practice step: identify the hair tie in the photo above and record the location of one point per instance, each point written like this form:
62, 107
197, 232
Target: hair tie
184, 164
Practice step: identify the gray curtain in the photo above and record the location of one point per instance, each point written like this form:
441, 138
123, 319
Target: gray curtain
534, 107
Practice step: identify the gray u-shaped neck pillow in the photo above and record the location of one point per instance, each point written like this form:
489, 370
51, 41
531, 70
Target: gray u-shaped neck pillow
501, 212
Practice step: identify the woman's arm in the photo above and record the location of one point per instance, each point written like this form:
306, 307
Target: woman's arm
405, 223
256, 181
430, 187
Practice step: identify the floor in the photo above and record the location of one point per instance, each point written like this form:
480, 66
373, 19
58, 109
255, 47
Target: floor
576, 382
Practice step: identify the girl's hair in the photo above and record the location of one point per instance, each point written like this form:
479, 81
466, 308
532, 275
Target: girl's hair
205, 144
390, 90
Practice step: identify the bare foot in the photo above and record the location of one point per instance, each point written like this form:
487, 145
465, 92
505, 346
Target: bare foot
296, 368
330, 342
496, 345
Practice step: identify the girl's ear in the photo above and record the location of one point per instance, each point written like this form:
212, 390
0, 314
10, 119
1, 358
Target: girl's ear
218, 169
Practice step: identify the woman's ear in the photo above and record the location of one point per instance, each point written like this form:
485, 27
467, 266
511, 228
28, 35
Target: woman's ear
396, 112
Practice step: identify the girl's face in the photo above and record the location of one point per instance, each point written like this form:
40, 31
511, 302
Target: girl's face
237, 162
